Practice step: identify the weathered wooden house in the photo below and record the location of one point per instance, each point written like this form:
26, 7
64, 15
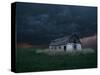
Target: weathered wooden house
69, 43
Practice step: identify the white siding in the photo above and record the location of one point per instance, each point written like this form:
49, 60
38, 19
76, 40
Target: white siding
62, 47
78, 46
57, 47
50, 47
54, 48
70, 47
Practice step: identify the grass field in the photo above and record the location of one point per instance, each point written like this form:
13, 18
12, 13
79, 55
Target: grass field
27, 60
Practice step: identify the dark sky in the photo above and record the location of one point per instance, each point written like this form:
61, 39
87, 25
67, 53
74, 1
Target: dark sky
41, 23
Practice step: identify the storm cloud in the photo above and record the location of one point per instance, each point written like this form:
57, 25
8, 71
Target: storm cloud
37, 23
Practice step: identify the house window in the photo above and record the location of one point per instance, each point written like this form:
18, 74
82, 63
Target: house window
59, 47
55, 47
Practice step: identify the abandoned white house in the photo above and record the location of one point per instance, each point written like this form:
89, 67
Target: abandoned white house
66, 43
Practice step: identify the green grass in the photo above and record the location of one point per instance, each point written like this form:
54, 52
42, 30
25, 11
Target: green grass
27, 60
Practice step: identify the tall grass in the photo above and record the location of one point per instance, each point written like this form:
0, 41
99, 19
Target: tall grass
28, 60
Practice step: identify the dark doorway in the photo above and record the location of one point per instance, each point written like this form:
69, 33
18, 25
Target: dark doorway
64, 48
74, 46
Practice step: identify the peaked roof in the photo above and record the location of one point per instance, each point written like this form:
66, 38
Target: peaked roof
74, 38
